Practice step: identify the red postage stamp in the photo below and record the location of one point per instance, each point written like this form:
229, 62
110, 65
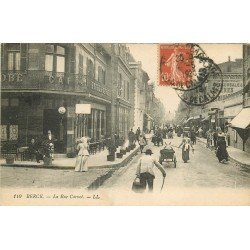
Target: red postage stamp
176, 64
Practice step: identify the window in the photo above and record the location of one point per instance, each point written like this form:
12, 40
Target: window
49, 63
55, 58
123, 89
4, 134
14, 60
80, 66
120, 85
60, 64
127, 90
90, 69
101, 75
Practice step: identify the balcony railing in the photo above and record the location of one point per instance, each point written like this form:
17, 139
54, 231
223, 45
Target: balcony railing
52, 81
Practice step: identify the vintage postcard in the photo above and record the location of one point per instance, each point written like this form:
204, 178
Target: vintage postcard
125, 124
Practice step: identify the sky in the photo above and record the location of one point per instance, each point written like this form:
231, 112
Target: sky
148, 55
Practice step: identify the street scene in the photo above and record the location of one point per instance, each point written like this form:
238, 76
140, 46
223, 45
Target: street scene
111, 117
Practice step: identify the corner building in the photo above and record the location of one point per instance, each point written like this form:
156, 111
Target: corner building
38, 79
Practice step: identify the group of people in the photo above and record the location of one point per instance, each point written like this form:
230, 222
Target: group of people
138, 136
38, 149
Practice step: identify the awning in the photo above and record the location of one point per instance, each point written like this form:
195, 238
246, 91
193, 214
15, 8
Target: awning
242, 120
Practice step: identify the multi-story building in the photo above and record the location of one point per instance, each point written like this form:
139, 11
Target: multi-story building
38, 79
240, 124
122, 108
221, 111
141, 80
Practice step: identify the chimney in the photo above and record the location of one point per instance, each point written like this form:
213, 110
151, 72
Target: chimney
229, 58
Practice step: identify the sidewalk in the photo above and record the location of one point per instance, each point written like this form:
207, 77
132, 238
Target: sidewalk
96, 161
235, 154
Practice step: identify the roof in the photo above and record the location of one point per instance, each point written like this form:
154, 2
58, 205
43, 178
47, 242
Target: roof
242, 120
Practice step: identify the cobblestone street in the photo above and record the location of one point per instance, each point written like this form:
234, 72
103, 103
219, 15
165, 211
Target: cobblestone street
203, 170
197, 173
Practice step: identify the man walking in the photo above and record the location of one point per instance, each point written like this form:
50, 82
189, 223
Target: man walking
131, 137
145, 170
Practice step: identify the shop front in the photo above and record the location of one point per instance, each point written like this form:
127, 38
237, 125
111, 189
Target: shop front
241, 124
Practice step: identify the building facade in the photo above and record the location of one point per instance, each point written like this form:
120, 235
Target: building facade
241, 122
222, 111
38, 79
141, 79
122, 108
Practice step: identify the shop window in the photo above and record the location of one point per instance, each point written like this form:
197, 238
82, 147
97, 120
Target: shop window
3, 132
55, 58
13, 132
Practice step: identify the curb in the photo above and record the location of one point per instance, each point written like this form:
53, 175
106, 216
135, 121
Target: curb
116, 165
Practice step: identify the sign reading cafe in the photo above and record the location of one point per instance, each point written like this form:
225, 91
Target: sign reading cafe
26, 77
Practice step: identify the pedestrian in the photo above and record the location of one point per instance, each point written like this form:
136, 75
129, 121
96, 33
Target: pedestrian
209, 135
50, 141
186, 146
34, 152
221, 150
200, 131
215, 137
193, 137
137, 133
81, 164
145, 170
142, 142
131, 137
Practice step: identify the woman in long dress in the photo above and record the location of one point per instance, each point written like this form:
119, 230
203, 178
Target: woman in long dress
221, 151
186, 146
83, 155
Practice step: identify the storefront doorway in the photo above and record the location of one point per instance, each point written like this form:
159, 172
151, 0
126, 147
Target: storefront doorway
57, 123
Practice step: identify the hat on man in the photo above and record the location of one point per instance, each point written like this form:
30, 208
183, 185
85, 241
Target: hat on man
148, 152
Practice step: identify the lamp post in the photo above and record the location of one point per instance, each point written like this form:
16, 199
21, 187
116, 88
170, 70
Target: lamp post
61, 111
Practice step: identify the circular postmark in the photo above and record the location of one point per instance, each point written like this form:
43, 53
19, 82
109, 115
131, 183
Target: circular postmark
206, 92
